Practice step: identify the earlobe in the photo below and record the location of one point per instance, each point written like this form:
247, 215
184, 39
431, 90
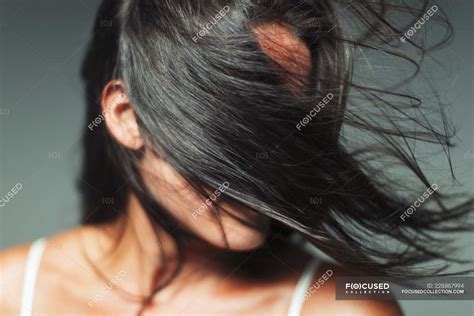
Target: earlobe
120, 115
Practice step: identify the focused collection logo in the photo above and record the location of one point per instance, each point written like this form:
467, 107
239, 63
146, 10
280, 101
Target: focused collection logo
367, 288
362, 288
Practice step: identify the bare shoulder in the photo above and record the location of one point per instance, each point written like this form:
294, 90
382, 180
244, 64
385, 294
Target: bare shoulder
321, 299
12, 270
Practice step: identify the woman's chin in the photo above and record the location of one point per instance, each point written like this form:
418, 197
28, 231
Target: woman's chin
241, 240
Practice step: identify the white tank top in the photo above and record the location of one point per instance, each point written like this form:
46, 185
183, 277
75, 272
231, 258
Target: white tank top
35, 253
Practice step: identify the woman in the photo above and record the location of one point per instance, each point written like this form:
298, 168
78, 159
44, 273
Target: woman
218, 137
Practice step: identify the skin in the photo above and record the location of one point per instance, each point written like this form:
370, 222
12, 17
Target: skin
200, 287
204, 287
132, 252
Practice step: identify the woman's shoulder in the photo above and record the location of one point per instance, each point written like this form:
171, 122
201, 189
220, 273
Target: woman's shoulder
13, 262
320, 298
312, 287
12, 268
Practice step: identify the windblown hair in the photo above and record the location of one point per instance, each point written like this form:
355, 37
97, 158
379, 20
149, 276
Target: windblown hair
218, 109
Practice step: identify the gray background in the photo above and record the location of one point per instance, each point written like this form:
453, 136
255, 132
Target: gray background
42, 116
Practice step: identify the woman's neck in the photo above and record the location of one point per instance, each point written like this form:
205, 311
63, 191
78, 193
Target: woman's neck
145, 254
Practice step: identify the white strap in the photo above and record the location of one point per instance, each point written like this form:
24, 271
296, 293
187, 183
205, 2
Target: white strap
299, 295
33, 262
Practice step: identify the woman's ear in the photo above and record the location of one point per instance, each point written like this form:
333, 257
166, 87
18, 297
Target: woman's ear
120, 116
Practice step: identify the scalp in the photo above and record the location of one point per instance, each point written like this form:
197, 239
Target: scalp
282, 45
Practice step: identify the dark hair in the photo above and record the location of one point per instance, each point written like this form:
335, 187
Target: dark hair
217, 109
